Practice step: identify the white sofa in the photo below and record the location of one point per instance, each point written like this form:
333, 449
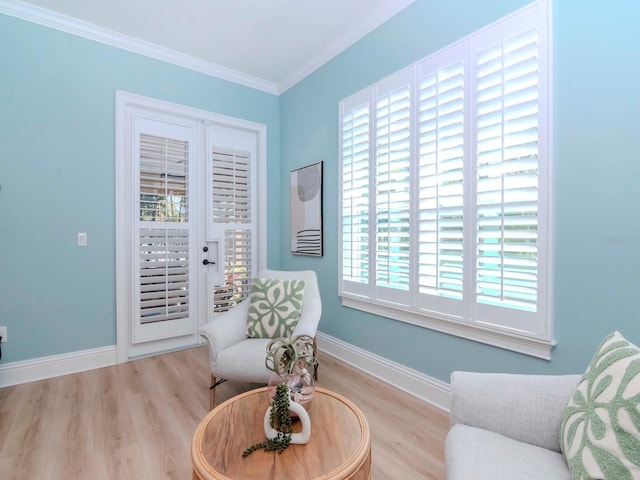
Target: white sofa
506, 426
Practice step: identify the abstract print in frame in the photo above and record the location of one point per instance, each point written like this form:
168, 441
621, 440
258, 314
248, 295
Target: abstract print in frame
306, 210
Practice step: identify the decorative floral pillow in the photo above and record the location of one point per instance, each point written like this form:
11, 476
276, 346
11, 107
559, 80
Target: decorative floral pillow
274, 307
600, 427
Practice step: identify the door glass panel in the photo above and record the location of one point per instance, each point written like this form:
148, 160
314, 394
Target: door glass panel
163, 179
164, 275
163, 234
232, 220
237, 270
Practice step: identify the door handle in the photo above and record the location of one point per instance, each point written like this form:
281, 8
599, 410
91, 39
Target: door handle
207, 262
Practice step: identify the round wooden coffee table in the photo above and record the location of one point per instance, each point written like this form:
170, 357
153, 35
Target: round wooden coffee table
339, 448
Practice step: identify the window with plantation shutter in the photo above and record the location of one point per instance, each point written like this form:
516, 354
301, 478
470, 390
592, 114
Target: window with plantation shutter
232, 221
237, 267
356, 129
164, 274
445, 194
508, 176
231, 189
163, 179
391, 183
164, 245
440, 190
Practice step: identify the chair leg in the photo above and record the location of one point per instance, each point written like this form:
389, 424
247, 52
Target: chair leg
212, 393
315, 355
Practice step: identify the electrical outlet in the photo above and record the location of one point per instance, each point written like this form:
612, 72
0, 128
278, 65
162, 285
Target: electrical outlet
82, 239
3, 334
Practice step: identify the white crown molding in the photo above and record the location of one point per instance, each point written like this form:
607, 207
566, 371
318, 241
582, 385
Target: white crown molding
74, 26
424, 387
377, 18
41, 368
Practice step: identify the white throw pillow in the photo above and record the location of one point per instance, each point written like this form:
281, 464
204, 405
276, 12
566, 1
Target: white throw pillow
600, 427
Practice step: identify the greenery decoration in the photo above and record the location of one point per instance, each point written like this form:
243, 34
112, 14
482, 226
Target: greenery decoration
284, 358
280, 421
284, 353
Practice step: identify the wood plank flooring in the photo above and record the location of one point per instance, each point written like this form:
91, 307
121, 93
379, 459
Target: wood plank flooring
136, 421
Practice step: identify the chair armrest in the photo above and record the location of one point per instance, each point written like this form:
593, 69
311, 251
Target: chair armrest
527, 408
226, 329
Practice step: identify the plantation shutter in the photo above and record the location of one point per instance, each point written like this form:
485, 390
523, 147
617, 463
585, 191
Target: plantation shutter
164, 274
444, 203
441, 144
232, 223
231, 188
510, 176
392, 186
163, 230
355, 198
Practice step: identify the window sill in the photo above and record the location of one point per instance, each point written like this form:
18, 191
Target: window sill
534, 347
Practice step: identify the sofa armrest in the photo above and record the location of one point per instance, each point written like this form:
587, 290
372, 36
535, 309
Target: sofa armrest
226, 329
527, 408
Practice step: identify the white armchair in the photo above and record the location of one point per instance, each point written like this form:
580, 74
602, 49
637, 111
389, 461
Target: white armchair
235, 356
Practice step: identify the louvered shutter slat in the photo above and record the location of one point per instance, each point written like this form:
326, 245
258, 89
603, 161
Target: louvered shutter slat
231, 184
393, 113
238, 258
507, 185
232, 214
441, 195
163, 179
355, 194
163, 274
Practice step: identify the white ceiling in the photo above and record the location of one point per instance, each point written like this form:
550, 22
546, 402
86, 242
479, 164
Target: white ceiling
275, 41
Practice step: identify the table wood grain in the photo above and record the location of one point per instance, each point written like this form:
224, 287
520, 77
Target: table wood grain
339, 448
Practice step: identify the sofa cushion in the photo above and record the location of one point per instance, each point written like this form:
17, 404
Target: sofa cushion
527, 408
477, 453
274, 307
600, 427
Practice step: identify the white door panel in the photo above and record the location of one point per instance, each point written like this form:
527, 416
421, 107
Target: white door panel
231, 215
165, 212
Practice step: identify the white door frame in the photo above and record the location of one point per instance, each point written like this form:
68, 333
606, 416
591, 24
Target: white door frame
127, 107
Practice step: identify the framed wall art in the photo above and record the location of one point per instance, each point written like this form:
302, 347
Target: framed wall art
306, 210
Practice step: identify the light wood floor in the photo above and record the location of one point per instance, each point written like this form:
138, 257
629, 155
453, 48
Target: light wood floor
136, 421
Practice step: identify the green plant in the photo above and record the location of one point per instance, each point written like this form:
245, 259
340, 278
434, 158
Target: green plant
286, 357
280, 421
284, 353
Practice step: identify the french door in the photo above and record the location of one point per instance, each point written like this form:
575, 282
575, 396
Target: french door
164, 229
187, 193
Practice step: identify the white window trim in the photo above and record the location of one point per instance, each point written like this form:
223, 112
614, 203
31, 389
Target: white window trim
535, 346
531, 346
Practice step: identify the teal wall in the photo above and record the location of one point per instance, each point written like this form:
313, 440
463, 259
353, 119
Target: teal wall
597, 172
57, 173
57, 99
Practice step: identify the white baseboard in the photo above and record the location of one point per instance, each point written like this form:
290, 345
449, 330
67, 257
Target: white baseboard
418, 384
56, 365
429, 389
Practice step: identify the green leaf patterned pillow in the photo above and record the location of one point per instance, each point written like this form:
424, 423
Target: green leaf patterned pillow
274, 307
600, 427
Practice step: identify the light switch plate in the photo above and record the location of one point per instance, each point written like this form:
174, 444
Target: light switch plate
82, 239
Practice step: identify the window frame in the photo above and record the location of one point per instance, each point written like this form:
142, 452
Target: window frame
405, 306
